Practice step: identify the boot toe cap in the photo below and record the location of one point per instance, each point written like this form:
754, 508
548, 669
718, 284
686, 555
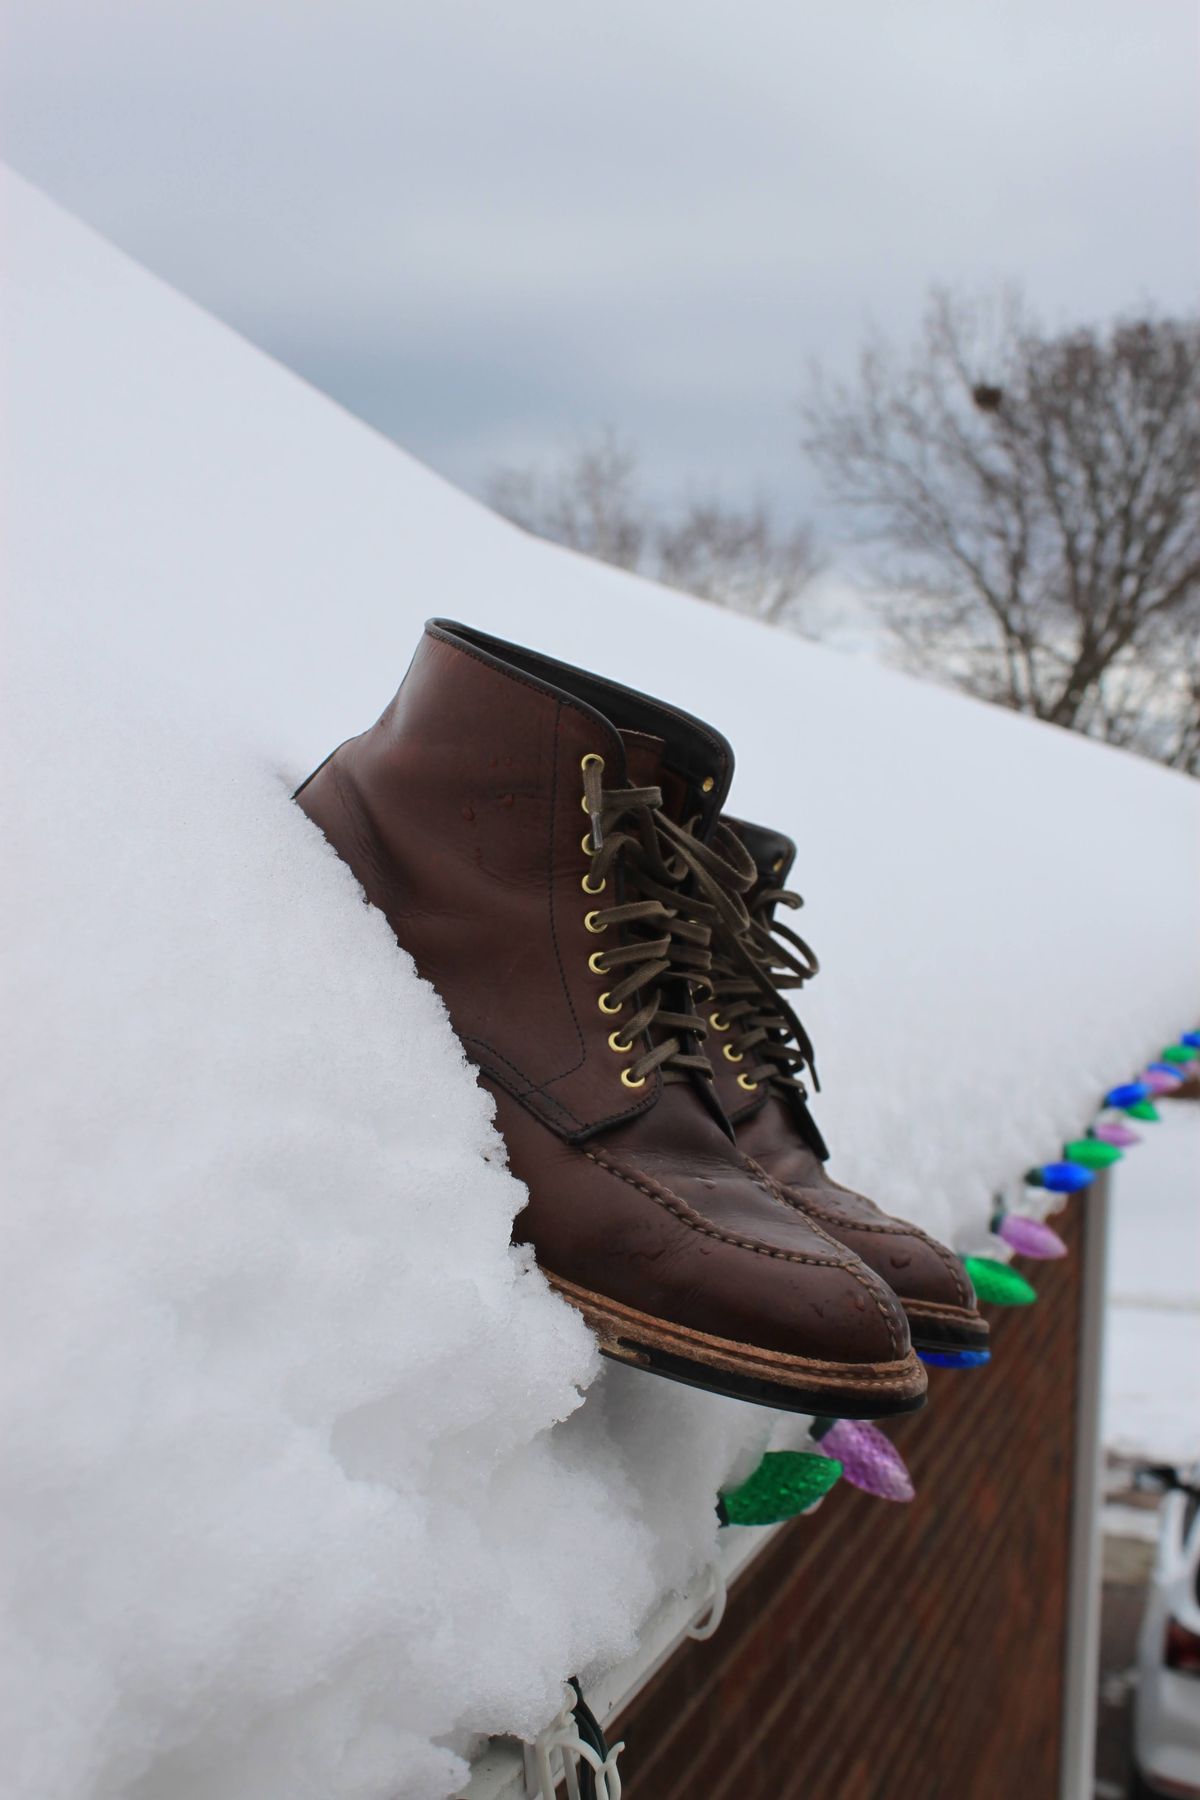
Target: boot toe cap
929, 1279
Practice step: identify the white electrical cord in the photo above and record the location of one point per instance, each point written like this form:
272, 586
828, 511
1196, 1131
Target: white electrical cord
705, 1624
561, 1740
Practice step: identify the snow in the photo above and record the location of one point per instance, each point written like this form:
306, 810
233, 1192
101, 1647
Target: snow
1152, 1360
299, 1489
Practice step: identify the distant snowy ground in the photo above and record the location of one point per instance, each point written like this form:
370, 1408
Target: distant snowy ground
298, 1484
1152, 1361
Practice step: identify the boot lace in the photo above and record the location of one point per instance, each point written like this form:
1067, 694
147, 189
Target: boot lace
749, 972
675, 890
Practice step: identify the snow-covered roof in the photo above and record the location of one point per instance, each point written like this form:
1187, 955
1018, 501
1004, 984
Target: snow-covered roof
289, 1514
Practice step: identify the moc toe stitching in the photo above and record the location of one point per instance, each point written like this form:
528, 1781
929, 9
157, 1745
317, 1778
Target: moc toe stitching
885, 1227
887, 1223
662, 1196
841, 1259
874, 1284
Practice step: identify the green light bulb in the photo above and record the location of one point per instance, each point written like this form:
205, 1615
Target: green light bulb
998, 1285
785, 1483
1180, 1053
1092, 1153
1144, 1109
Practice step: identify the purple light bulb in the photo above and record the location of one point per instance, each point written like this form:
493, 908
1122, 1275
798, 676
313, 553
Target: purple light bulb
1159, 1083
869, 1460
1115, 1131
1029, 1237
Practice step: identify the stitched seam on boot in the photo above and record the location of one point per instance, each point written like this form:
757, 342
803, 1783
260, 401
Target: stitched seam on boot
528, 1087
945, 1257
864, 1278
522, 1087
899, 1229
696, 1222
848, 1222
524, 1090
562, 973
683, 1213
887, 1228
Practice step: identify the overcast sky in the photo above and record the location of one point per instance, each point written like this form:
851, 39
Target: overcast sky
492, 229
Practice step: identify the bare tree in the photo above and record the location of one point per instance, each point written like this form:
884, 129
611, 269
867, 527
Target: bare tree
738, 559
591, 505
594, 503
1036, 499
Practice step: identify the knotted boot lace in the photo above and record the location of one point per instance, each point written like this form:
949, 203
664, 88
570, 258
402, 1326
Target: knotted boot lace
749, 973
675, 890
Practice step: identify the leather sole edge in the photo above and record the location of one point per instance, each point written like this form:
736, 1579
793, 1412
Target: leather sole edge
743, 1371
937, 1327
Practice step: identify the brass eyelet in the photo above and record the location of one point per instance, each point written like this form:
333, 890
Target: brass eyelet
748, 1086
730, 1054
628, 1081
602, 1003
586, 885
594, 963
707, 785
586, 844
717, 1022
590, 761
621, 1045
589, 920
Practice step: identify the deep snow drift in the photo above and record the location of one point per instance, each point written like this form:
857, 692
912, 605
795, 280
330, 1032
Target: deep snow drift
287, 1514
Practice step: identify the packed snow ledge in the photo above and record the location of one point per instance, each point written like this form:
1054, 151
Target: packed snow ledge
309, 1479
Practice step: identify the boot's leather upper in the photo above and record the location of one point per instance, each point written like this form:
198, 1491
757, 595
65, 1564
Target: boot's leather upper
469, 813
762, 1055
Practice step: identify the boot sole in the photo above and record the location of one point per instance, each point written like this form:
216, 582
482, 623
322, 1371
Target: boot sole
937, 1327
742, 1372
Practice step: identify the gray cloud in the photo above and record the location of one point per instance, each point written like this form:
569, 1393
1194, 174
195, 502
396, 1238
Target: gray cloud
491, 229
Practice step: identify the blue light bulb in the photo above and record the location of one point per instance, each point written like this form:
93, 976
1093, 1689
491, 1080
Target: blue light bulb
1061, 1177
1127, 1095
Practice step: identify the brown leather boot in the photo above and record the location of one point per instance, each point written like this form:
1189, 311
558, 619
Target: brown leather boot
523, 825
763, 1051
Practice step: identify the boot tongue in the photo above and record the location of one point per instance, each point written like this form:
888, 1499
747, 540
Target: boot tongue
644, 762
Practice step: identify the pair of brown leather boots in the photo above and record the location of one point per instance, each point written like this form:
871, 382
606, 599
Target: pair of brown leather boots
550, 848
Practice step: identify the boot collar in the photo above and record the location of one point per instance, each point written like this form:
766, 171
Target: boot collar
696, 754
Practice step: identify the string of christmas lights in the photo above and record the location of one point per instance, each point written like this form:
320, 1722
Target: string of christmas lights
789, 1482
